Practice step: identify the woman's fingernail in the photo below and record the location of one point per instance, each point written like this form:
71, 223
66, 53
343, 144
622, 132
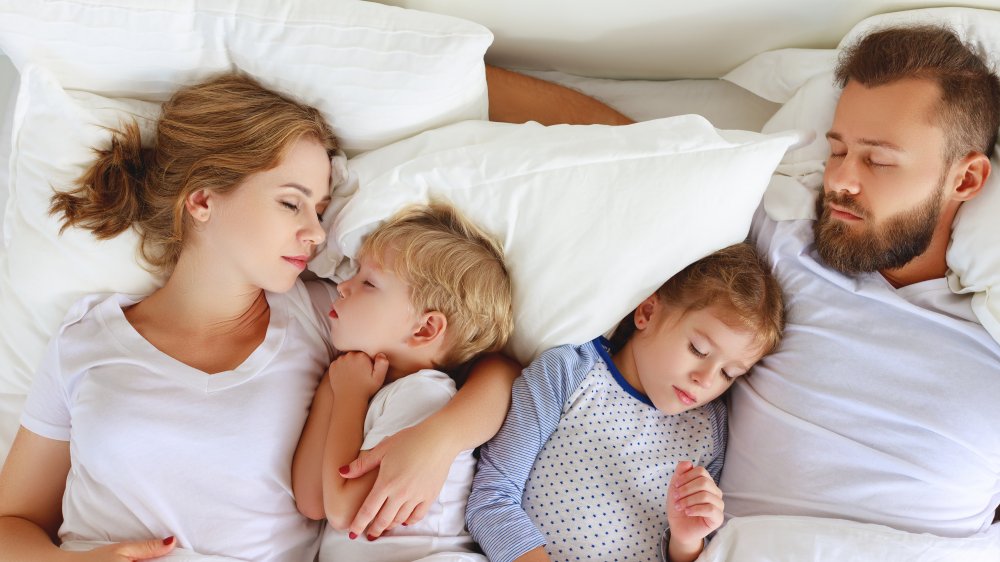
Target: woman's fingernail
352, 535
168, 541
404, 523
344, 469
371, 537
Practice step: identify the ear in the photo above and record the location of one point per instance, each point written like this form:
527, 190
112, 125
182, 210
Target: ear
198, 205
972, 172
430, 330
645, 311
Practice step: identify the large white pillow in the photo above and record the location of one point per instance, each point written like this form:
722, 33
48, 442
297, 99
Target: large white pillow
379, 73
803, 81
41, 272
592, 218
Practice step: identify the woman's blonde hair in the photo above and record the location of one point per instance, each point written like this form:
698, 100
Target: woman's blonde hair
735, 280
210, 136
452, 267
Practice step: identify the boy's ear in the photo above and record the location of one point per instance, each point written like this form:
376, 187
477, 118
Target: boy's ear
198, 205
431, 329
644, 312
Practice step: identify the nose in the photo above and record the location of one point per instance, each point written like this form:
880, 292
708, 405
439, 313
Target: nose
314, 233
344, 288
842, 175
701, 376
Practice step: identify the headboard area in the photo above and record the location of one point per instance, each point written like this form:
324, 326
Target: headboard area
658, 40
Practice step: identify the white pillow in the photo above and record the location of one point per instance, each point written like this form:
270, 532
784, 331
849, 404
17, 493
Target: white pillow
973, 255
592, 218
43, 273
378, 73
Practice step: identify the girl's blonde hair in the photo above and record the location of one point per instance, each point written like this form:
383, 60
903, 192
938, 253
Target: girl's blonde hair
210, 136
453, 267
738, 282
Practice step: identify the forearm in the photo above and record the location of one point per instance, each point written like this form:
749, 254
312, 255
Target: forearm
307, 464
343, 497
24, 541
536, 555
678, 552
517, 98
477, 411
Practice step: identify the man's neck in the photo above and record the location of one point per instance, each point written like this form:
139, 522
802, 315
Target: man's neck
932, 264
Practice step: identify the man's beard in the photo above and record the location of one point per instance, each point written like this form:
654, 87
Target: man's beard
891, 244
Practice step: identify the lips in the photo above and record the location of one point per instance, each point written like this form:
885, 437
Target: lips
297, 261
333, 313
684, 397
843, 213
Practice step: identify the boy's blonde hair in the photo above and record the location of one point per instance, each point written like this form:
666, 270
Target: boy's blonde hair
738, 282
454, 268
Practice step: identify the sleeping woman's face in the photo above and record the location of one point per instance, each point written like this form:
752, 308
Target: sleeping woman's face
682, 359
265, 231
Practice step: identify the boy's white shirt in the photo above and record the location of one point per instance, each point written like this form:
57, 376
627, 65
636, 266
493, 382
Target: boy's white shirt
398, 405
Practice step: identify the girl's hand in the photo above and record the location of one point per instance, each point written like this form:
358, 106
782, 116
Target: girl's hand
355, 372
413, 466
694, 507
129, 551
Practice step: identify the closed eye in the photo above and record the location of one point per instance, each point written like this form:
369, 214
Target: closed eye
289, 206
695, 351
728, 376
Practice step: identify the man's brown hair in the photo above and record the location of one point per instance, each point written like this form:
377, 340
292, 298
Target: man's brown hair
969, 110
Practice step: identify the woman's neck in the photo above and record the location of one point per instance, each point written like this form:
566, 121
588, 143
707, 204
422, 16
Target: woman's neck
206, 301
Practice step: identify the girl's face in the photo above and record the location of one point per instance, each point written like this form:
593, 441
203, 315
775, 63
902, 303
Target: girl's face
681, 360
268, 228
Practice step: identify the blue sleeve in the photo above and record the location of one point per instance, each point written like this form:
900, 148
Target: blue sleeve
720, 436
495, 517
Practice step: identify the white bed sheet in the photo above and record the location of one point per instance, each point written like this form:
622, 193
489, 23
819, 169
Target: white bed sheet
8, 91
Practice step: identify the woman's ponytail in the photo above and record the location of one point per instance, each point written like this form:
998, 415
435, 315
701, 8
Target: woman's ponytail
108, 197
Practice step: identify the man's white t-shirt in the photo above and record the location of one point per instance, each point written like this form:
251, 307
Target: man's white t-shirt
396, 406
159, 448
881, 405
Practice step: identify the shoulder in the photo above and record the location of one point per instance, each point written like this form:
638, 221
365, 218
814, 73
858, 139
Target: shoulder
569, 358
423, 387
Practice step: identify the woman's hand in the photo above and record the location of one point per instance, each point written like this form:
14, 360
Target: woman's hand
127, 551
694, 509
355, 372
412, 469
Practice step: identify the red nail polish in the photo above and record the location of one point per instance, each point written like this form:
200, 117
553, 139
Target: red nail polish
404, 523
352, 536
168, 541
344, 469
371, 538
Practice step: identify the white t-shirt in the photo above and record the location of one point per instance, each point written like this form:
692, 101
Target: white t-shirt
881, 405
159, 448
398, 405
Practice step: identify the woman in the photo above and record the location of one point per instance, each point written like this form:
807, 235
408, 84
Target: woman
170, 421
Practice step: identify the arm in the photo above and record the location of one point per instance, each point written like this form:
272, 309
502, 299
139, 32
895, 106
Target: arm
415, 462
517, 98
32, 484
307, 464
495, 516
354, 379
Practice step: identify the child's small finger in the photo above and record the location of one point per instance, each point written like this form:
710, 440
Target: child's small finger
700, 498
697, 485
711, 513
694, 473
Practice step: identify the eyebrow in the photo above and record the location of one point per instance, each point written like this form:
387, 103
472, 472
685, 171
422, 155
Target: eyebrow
868, 142
305, 191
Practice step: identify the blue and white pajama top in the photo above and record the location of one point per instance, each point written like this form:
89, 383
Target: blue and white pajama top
583, 461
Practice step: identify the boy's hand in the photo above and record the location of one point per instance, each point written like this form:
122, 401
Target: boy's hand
694, 507
355, 372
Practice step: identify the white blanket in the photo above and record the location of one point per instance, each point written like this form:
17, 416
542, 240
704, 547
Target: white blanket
775, 538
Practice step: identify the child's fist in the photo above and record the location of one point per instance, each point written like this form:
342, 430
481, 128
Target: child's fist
694, 505
354, 371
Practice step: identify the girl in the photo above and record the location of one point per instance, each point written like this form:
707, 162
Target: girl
170, 421
581, 468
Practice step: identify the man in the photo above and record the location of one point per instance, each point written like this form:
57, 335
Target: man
883, 402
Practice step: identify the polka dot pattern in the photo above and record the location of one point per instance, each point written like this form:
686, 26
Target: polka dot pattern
597, 489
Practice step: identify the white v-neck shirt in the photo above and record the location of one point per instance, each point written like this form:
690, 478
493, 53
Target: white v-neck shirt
881, 405
159, 448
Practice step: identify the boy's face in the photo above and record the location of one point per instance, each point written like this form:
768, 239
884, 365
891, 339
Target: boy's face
374, 313
682, 361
